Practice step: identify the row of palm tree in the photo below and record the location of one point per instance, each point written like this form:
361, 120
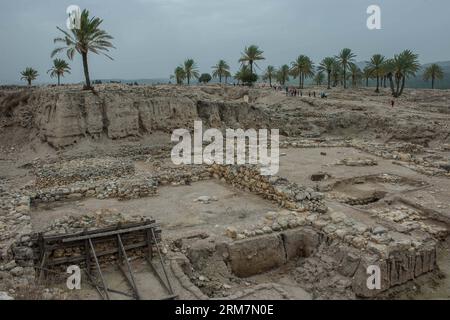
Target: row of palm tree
90, 38
221, 70
59, 68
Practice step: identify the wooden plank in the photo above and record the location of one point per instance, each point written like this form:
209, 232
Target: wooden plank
124, 256
105, 287
162, 262
95, 231
59, 261
109, 233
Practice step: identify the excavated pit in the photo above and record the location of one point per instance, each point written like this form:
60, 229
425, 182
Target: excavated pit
358, 185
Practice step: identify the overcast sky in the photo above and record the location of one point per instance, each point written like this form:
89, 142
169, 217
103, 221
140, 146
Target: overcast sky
154, 36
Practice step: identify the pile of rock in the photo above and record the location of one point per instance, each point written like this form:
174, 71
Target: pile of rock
14, 221
358, 162
182, 175
100, 219
315, 143
288, 195
64, 173
120, 188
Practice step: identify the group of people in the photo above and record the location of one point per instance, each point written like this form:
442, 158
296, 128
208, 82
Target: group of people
294, 92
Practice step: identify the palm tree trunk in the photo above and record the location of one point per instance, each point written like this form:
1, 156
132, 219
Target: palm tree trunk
300, 81
432, 82
188, 79
377, 90
59, 81
29, 82
402, 87
86, 70
329, 80
251, 66
397, 84
270, 81
345, 76
220, 78
391, 81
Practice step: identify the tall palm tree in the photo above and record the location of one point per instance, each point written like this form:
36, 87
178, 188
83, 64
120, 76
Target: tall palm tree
227, 74
302, 68
319, 78
269, 74
367, 73
433, 72
376, 65
336, 73
29, 74
345, 57
327, 66
245, 76
88, 38
179, 75
401, 67
283, 74
60, 67
220, 69
355, 74
251, 55
190, 70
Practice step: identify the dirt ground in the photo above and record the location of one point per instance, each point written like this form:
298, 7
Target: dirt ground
174, 208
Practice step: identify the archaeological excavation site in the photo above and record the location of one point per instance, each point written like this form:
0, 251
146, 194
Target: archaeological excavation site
88, 187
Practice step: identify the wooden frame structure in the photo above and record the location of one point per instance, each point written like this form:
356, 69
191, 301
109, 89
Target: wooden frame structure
120, 239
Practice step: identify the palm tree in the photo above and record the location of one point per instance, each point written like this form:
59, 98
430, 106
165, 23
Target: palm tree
327, 65
336, 73
190, 70
433, 72
367, 73
283, 74
401, 67
345, 57
245, 76
250, 55
226, 74
319, 78
88, 38
179, 75
376, 66
269, 74
60, 67
29, 74
220, 70
302, 68
355, 74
